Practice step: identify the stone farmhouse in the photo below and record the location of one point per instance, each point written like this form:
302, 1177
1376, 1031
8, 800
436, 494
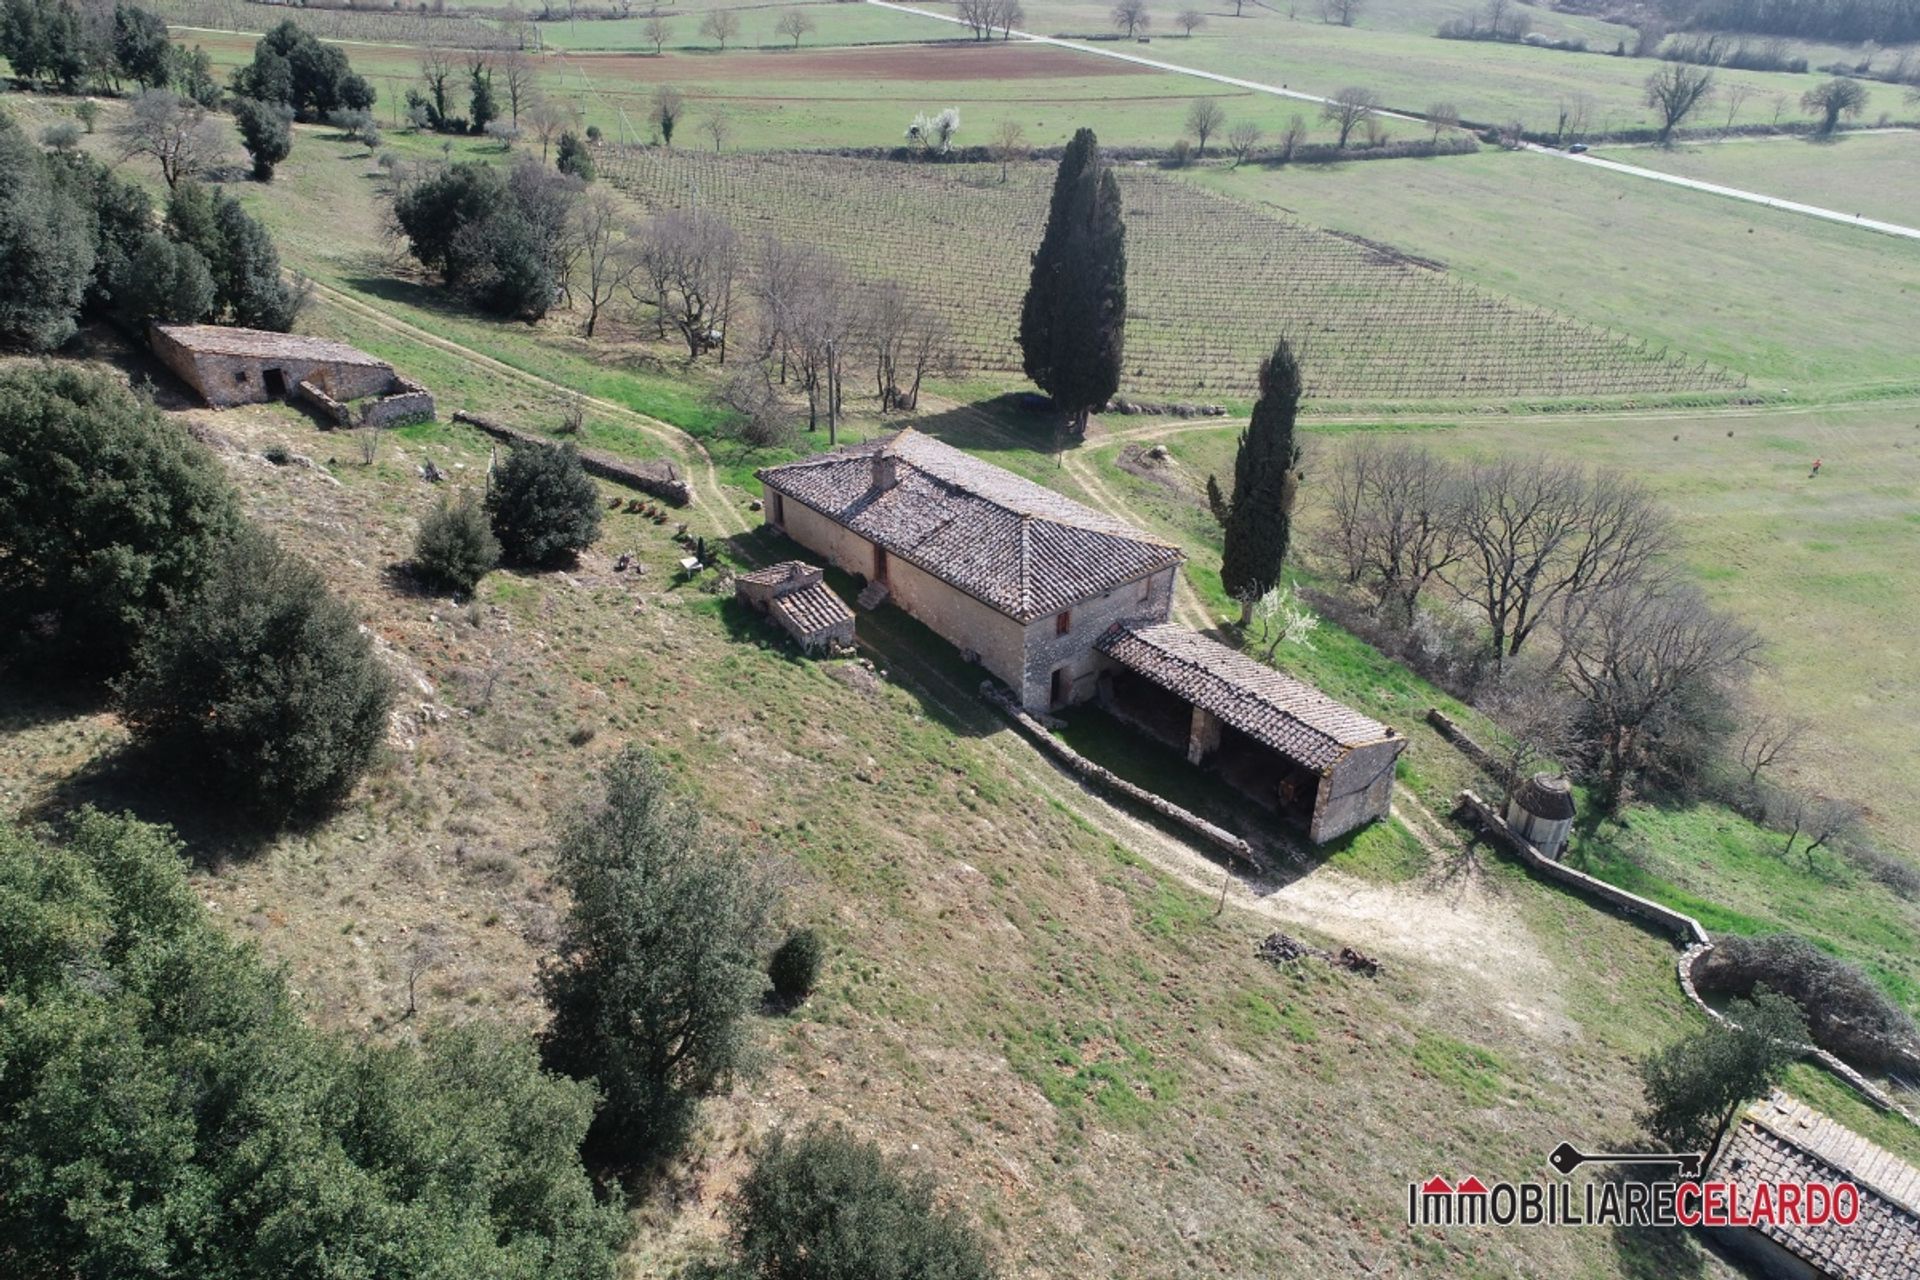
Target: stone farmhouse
1782, 1140
231, 366
1065, 605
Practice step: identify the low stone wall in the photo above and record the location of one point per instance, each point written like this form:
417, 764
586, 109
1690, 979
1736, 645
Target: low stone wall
1087, 769
657, 478
412, 403
332, 410
1450, 729
1693, 939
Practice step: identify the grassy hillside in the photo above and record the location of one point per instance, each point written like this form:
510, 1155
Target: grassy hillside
1875, 174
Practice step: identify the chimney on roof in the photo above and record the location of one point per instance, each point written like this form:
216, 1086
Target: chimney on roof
886, 471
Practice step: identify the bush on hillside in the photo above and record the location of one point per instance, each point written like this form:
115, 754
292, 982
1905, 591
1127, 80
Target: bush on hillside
829, 1207
574, 159
249, 288
455, 547
167, 282
263, 682
266, 130
795, 966
46, 249
1846, 1010
291, 66
494, 238
543, 505
167, 1111
107, 512
658, 970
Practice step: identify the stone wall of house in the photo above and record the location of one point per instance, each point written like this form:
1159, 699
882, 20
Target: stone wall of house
968, 624
225, 380
411, 403
1149, 600
327, 407
1355, 791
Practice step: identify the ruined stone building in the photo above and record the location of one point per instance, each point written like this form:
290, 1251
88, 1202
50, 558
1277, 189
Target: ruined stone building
230, 366
1065, 604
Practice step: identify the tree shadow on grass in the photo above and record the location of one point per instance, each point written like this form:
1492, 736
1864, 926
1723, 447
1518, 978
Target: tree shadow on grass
1015, 422
31, 699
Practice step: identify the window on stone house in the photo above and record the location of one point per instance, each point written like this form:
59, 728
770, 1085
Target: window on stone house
1063, 622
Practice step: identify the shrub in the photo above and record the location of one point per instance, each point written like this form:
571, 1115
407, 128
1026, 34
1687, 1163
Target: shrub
1695, 1086
455, 547
829, 1207
574, 159
493, 237
46, 254
358, 124
292, 66
166, 282
543, 505
166, 1068
1846, 1012
657, 975
62, 135
106, 512
266, 130
263, 681
795, 966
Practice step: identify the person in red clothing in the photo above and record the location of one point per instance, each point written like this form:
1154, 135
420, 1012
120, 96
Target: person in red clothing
1816, 469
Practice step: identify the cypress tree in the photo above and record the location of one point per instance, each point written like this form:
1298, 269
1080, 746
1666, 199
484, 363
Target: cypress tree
1073, 323
1258, 520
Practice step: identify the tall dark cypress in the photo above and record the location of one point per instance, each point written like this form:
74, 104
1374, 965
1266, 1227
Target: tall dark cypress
1258, 520
1073, 324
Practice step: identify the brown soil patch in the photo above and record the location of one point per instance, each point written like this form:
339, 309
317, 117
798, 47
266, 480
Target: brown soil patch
948, 62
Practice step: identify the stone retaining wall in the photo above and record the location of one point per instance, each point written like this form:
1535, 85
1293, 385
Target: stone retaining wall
1087, 769
329, 408
657, 478
1449, 729
411, 403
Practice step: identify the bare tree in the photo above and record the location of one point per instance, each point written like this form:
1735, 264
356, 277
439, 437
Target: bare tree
1836, 98
1204, 119
1823, 820
1769, 741
1576, 109
1007, 14
1291, 137
368, 441
820, 321
718, 126
669, 105
1241, 140
692, 260
1190, 21
1442, 116
794, 24
906, 339
979, 16
1675, 91
761, 418
1538, 725
1644, 666
175, 132
1347, 108
780, 277
604, 260
1009, 144
657, 31
1737, 94
424, 954
548, 120
517, 71
1131, 17
437, 69
1339, 12
1397, 520
720, 26
1647, 36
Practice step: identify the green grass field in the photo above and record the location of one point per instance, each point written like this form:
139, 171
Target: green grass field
1874, 174
1805, 308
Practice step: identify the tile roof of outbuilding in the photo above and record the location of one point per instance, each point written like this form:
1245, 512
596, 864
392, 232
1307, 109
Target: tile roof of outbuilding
261, 344
1781, 1140
1014, 545
1269, 706
811, 610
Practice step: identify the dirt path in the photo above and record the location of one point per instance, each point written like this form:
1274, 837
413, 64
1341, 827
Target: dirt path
707, 498
1186, 602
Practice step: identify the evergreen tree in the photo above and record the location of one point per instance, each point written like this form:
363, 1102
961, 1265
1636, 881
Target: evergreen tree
140, 46
248, 284
658, 971
455, 548
167, 281
290, 65
1695, 1086
46, 246
482, 110
543, 505
1074, 320
106, 513
266, 130
263, 682
1258, 520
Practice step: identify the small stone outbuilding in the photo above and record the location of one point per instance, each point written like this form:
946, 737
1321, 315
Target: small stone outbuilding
1781, 1140
232, 366
796, 595
1541, 812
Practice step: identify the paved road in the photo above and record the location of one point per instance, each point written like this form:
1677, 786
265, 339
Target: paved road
1281, 91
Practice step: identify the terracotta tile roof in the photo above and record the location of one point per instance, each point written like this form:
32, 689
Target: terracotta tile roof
1783, 1140
1269, 706
1017, 546
810, 610
260, 344
778, 575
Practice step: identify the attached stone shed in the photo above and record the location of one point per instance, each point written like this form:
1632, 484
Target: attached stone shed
1018, 576
795, 595
1782, 1140
231, 366
1279, 740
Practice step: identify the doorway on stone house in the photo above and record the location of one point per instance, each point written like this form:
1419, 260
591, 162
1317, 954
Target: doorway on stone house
1062, 688
276, 381
879, 564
